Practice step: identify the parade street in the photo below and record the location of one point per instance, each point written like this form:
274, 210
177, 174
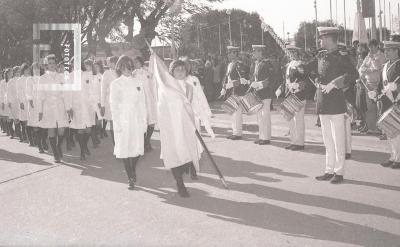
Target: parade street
273, 197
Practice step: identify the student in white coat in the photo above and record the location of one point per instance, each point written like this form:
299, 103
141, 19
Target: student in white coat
13, 102
3, 90
108, 77
52, 110
98, 70
150, 90
32, 84
83, 113
128, 109
23, 103
8, 74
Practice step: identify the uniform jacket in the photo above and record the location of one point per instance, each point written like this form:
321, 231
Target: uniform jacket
235, 71
389, 74
328, 66
264, 71
295, 73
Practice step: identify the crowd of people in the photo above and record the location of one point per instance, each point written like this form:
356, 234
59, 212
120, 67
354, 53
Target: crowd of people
132, 99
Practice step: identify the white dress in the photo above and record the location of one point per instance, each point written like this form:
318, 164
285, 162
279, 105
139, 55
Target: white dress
32, 94
52, 102
21, 94
81, 103
12, 98
150, 91
128, 108
108, 77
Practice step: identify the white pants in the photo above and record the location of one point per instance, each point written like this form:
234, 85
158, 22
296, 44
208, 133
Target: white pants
333, 133
297, 128
237, 122
264, 121
347, 122
395, 146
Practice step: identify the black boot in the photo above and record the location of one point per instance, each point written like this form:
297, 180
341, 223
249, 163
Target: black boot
177, 172
53, 145
59, 143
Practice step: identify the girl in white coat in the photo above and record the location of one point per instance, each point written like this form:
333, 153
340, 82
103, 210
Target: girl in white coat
8, 73
23, 103
52, 107
128, 109
3, 89
109, 76
12, 101
150, 90
98, 70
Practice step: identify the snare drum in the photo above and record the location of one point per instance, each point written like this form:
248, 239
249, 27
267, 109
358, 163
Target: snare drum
290, 106
231, 104
389, 122
251, 103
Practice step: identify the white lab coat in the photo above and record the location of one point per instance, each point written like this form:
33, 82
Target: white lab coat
21, 94
81, 103
52, 102
150, 91
32, 84
96, 91
108, 77
128, 108
12, 98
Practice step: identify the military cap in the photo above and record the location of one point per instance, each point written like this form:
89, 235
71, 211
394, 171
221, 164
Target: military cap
323, 31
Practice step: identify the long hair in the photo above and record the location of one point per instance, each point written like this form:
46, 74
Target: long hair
124, 62
100, 64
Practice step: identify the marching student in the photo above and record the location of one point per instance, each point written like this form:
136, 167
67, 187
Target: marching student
297, 83
129, 114
150, 90
108, 77
98, 71
81, 108
51, 103
13, 102
23, 103
262, 77
32, 83
390, 95
335, 72
3, 90
7, 102
236, 83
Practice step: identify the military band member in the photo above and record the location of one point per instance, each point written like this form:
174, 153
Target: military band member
335, 72
297, 82
390, 94
235, 82
263, 83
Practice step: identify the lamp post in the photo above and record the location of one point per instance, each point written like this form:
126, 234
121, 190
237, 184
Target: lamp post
229, 12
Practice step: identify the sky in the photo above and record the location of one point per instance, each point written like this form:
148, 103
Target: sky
290, 13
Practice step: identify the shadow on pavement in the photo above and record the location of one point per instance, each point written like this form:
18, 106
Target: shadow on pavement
22, 158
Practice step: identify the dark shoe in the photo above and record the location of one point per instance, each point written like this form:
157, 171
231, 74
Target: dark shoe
396, 165
131, 184
182, 191
337, 179
383, 137
325, 177
387, 163
256, 141
229, 137
264, 142
193, 172
348, 156
235, 138
289, 146
297, 148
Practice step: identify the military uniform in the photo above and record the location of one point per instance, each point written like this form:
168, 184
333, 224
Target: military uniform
390, 95
236, 82
262, 76
334, 72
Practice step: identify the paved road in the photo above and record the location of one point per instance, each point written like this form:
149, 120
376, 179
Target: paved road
273, 198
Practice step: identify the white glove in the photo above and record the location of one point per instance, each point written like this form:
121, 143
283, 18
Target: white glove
328, 88
278, 92
257, 85
223, 92
295, 86
372, 94
392, 86
244, 81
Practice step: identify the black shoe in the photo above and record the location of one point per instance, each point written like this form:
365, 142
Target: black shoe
235, 138
264, 142
131, 184
182, 191
325, 177
348, 156
297, 148
256, 141
396, 165
337, 179
289, 146
387, 163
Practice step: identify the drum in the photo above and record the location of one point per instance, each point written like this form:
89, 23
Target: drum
290, 106
389, 122
231, 104
251, 103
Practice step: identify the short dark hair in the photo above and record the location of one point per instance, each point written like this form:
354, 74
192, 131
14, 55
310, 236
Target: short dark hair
24, 67
100, 64
87, 62
140, 60
179, 63
124, 62
113, 59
